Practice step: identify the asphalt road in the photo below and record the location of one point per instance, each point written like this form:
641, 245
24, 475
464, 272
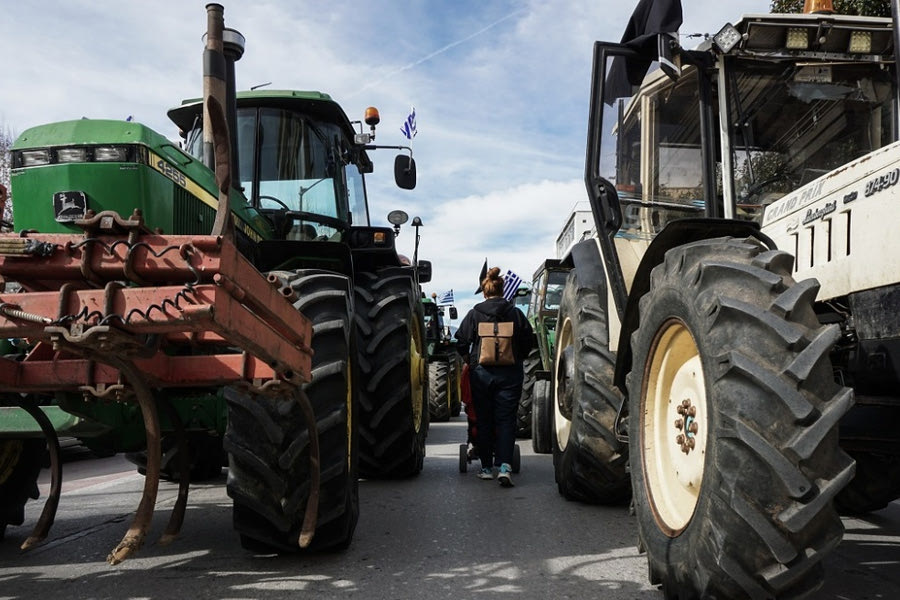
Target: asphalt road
440, 535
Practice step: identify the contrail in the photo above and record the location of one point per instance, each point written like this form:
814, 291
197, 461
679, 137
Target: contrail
436, 52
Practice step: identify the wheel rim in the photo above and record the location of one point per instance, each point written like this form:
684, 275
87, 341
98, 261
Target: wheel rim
417, 368
564, 388
674, 426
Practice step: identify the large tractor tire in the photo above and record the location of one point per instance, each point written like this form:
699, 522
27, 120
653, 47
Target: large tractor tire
267, 438
21, 462
526, 400
589, 463
733, 425
439, 390
542, 418
393, 419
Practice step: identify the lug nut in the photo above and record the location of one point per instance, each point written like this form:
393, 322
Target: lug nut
679, 423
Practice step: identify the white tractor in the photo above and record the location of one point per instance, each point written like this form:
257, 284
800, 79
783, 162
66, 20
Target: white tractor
742, 290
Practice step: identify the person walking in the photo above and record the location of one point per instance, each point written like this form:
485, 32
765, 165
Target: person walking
496, 388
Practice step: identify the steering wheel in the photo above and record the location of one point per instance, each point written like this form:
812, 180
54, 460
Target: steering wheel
276, 201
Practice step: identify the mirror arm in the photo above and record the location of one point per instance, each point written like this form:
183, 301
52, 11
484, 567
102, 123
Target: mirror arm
380, 147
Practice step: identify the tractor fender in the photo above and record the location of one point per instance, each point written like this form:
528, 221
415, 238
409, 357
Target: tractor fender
584, 258
676, 233
279, 255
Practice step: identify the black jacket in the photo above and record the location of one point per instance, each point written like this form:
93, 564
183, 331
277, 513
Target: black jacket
494, 309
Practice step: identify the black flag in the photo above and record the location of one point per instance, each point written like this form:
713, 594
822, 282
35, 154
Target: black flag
650, 18
482, 276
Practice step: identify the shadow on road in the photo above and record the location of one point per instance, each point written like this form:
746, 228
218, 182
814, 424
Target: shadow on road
442, 534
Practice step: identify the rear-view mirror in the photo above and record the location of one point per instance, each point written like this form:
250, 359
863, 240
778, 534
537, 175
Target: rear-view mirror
424, 271
405, 172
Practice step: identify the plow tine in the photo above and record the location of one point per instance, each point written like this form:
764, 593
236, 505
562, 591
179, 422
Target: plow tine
135, 535
176, 519
48, 514
312, 503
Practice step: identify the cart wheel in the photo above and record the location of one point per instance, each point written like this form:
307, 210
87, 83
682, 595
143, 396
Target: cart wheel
517, 459
463, 458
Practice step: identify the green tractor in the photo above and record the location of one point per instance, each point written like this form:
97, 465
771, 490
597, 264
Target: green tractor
444, 363
522, 300
547, 287
291, 340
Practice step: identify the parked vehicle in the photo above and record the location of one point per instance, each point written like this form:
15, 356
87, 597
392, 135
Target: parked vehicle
706, 362
229, 295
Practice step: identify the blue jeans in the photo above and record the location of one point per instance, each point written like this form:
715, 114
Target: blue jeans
495, 393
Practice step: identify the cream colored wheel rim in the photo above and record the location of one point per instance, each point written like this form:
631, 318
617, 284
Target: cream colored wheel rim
674, 427
561, 424
417, 377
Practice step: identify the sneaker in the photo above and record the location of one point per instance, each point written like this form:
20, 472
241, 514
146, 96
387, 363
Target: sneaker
505, 476
486, 474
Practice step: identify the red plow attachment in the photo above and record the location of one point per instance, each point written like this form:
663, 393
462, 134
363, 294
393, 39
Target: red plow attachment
125, 311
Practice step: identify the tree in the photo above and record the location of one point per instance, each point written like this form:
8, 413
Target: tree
869, 8
6, 140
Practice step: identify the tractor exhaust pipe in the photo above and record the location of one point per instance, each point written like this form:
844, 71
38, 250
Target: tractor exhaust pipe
213, 76
217, 143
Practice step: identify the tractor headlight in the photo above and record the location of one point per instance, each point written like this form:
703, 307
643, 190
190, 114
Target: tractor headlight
727, 38
860, 42
111, 153
75, 154
34, 158
71, 155
797, 38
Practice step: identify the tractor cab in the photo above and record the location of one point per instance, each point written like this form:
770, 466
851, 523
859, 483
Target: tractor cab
297, 161
300, 161
547, 288
761, 109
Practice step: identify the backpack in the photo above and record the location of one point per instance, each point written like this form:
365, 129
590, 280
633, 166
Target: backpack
496, 343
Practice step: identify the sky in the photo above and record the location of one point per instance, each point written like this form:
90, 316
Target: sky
500, 89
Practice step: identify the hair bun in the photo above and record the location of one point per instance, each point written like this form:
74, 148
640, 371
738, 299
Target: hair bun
494, 273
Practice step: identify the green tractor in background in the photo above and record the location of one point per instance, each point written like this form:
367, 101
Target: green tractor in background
444, 362
522, 300
547, 288
319, 374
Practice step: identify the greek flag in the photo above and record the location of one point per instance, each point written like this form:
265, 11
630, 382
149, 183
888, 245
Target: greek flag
445, 298
409, 126
511, 285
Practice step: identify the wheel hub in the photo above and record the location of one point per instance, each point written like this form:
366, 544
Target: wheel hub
687, 426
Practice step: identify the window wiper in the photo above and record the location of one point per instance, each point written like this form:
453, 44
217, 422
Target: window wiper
746, 131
